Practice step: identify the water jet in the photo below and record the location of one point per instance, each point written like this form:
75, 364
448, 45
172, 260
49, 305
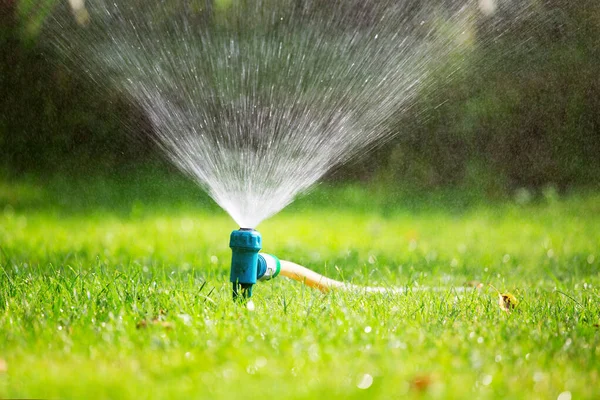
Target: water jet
256, 101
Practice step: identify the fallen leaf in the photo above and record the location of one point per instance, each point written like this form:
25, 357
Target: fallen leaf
507, 301
156, 322
473, 284
141, 324
421, 382
165, 324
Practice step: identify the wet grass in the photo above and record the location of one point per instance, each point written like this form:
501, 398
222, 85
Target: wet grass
116, 287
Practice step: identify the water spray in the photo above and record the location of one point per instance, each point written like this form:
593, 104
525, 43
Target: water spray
258, 104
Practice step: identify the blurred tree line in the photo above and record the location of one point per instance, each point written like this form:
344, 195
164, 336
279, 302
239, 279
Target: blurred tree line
521, 111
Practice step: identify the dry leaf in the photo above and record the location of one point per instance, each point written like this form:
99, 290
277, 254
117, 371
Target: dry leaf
165, 324
507, 301
156, 322
141, 324
474, 284
421, 382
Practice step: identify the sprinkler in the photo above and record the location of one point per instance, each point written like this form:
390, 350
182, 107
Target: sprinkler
247, 265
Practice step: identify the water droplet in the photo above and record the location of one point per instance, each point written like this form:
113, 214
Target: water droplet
412, 245
365, 381
313, 352
187, 225
487, 7
367, 329
486, 380
260, 362
566, 395
396, 344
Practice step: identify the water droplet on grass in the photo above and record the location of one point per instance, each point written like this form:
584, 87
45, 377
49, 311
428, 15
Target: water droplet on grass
566, 395
486, 380
365, 381
412, 245
261, 362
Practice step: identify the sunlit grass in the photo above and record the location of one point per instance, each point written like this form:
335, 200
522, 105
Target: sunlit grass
118, 288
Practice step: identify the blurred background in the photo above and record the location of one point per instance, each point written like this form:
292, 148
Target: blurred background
520, 112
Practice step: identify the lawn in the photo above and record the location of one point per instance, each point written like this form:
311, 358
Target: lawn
117, 287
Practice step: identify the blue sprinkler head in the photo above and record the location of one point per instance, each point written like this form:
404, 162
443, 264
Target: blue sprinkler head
247, 266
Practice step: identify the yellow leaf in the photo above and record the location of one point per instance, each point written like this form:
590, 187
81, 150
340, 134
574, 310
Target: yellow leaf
507, 301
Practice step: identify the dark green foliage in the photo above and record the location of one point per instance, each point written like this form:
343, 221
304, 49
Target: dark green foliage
50, 118
522, 109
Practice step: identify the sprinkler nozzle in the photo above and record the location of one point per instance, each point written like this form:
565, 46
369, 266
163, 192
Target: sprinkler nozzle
245, 245
247, 266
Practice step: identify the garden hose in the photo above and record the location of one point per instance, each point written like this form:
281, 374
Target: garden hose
317, 281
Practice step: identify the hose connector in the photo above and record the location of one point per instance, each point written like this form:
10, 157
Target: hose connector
269, 267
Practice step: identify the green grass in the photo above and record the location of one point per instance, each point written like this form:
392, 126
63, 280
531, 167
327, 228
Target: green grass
116, 287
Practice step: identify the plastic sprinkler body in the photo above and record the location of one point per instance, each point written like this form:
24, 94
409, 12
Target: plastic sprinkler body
245, 245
